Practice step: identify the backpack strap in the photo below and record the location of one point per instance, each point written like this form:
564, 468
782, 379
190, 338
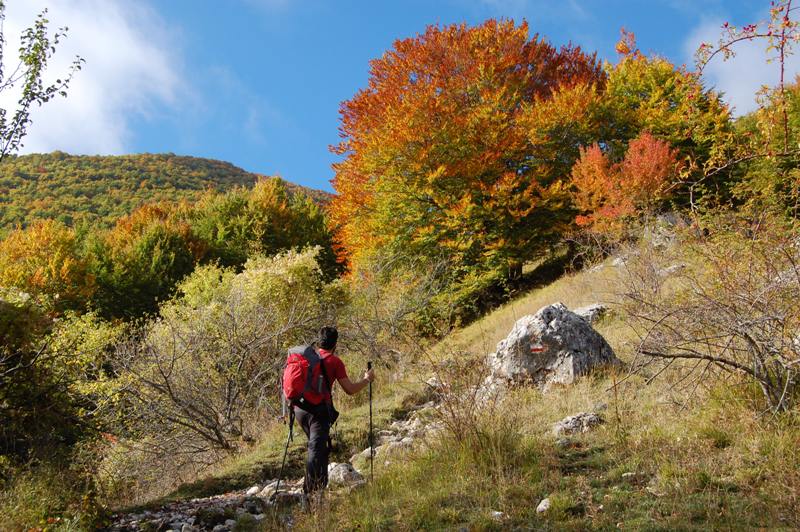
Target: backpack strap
313, 358
325, 375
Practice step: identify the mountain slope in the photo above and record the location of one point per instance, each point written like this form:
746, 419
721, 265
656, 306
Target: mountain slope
100, 189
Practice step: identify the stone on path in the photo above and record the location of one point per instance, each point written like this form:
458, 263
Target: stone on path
343, 474
578, 423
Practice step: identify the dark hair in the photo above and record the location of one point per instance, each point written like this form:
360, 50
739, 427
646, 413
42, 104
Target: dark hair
328, 337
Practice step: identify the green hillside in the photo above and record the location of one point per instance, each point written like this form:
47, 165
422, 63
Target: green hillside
103, 188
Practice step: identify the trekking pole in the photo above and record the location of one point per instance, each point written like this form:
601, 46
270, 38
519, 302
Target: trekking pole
285, 452
371, 446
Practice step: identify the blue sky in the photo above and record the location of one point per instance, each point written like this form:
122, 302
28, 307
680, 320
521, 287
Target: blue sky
258, 82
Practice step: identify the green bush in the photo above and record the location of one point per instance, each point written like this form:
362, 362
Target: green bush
200, 379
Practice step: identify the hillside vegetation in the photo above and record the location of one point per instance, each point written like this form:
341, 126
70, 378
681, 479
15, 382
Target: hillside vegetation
679, 450
484, 174
101, 189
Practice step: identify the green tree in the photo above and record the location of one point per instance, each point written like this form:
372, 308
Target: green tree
649, 93
36, 48
769, 174
266, 219
139, 262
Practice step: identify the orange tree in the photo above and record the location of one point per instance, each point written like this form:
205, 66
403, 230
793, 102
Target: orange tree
437, 156
45, 260
661, 142
607, 192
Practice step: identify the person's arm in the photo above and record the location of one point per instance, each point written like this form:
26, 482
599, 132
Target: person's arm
354, 387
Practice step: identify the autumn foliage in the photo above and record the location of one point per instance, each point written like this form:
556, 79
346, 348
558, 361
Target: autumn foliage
45, 262
437, 149
606, 191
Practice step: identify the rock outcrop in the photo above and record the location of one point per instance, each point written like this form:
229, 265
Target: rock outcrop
553, 346
578, 423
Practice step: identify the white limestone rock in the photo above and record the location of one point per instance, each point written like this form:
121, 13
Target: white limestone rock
343, 474
553, 346
579, 423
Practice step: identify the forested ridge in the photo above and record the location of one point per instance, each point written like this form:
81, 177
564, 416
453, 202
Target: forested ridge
101, 189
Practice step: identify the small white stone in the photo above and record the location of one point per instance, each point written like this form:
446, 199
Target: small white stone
497, 516
343, 475
253, 490
543, 506
435, 383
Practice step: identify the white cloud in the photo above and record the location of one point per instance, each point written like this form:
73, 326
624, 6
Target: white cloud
130, 70
740, 77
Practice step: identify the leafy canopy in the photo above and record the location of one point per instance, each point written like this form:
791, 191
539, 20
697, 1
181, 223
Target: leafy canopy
437, 154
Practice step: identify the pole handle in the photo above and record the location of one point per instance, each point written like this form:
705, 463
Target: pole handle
369, 364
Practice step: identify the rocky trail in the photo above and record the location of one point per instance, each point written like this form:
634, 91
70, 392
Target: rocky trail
555, 345
261, 504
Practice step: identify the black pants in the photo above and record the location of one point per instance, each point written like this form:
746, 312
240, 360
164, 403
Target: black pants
316, 424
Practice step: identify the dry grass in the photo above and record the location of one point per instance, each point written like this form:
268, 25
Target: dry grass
574, 290
662, 461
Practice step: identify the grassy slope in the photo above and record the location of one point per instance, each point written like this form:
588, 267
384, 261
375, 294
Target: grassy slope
709, 464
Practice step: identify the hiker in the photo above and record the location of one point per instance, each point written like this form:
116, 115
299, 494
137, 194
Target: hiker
315, 412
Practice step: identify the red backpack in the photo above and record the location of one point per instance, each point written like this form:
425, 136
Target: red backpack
304, 373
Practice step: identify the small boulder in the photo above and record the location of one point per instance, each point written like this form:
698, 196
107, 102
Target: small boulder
435, 384
394, 447
343, 475
287, 498
544, 505
366, 452
268, 490
252, 491
563, 443
553, 346
582, 422
592, 313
